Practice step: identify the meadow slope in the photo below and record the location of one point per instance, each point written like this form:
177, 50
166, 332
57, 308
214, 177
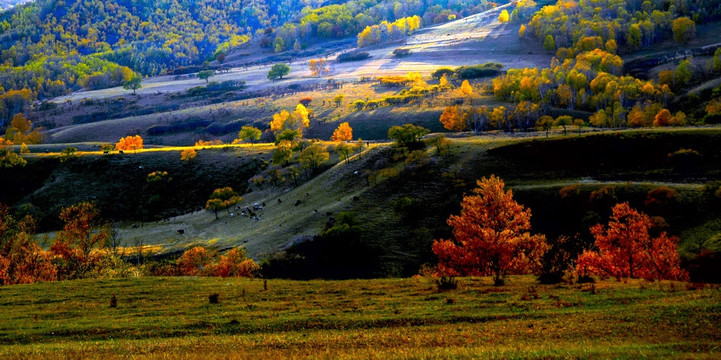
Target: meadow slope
164, 318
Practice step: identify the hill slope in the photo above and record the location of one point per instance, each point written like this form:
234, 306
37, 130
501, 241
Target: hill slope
400, 205
389, 319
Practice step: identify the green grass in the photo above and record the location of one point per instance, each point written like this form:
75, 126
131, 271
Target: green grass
399, 318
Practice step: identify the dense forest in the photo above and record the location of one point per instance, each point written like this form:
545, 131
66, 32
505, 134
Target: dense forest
352, 17
51, 47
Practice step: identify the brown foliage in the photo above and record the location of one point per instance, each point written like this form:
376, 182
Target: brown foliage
490, 236
626, 249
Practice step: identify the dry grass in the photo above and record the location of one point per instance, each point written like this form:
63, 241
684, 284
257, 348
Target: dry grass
164, 318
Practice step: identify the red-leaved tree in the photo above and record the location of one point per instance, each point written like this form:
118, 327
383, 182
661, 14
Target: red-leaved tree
626, 249
490, 237
22, 261
84, 231
235, 264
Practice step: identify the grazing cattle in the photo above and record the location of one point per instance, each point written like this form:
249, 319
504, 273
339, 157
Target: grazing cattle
355, 198
181, 231
280, 201
297, 202
121, 152
307, 194
329, 213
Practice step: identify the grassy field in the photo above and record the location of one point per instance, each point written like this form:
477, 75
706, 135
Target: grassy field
171, 318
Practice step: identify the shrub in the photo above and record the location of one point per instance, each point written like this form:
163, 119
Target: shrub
445, 283
442, 71
353, 56
194, 261
401, 52
478, 71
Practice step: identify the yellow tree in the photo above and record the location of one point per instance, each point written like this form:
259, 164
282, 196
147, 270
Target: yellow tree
503, 17
298, 120
466, 88
453, 119
490, 237
188, 154
318, 67
684, 29
8, 157
129, 143
343, 133
222, 199
21, 131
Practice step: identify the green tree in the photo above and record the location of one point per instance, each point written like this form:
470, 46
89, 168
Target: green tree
8, 157
683, 74
205, 75
313, 157
549, 43
249, 133
717, 59
222, 199
407, 134
344, 150
278, 71
68, 153
134, 83
278, 44
563, 121
282, 153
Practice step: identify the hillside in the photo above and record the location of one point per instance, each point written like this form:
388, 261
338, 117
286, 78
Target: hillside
400, 207
7, 4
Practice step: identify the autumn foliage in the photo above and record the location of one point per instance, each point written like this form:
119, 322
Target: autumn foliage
188, 154
625, 249
343, 133
222, 199
84, 231
490, 236
297, 120
22, 261
129, 143
198, 261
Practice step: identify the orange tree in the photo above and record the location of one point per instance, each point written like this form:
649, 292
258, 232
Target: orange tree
343, 133
195, 261
626, 249
22, 261
235, 264
129, 143
188, 154
83, 231
222, 199
490, 236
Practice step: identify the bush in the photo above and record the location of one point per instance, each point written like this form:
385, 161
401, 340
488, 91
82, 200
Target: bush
478, 71
712, 119
401, 52
353, 56
442, 71
447, 283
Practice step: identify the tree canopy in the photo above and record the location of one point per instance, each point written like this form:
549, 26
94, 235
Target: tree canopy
491, 236
278, 71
